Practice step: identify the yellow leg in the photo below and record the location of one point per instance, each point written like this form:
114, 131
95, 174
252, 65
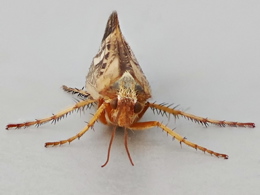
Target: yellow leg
86, 128
162, 109
80, 92
149, 124
53, 118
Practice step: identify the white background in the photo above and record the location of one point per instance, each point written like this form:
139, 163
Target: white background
203, 55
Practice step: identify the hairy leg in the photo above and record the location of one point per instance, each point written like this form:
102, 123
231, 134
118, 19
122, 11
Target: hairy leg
53, 118
83, 131
149, 124
162, 109
79, 92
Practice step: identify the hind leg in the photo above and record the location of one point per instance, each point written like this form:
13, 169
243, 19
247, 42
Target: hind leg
79, 92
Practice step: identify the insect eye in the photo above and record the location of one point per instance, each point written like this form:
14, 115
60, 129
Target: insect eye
137, 107
113, 103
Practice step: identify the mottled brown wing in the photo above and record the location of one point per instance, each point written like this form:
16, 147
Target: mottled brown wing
114, 58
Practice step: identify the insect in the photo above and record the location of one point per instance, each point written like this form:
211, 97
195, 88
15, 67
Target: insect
117, 85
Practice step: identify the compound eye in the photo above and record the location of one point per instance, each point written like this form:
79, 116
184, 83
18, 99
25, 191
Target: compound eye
113, 103
137, 107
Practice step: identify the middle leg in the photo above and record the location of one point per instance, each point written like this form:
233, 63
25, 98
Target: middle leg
53, 118
161, 109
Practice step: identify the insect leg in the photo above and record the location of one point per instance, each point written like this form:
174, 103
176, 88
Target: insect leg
162, 108
149, 124
53, 118
86, 128
79, 92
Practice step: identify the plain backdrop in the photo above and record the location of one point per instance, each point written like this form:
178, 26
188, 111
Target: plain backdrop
201, 55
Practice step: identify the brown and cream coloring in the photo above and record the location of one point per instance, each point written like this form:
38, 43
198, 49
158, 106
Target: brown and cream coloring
117, 85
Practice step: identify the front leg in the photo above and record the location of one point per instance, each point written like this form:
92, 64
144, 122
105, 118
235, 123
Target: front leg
161, 109
150, 124
90, 124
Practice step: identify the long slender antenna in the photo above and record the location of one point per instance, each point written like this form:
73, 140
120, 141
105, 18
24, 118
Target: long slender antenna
109, 147
126, 147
